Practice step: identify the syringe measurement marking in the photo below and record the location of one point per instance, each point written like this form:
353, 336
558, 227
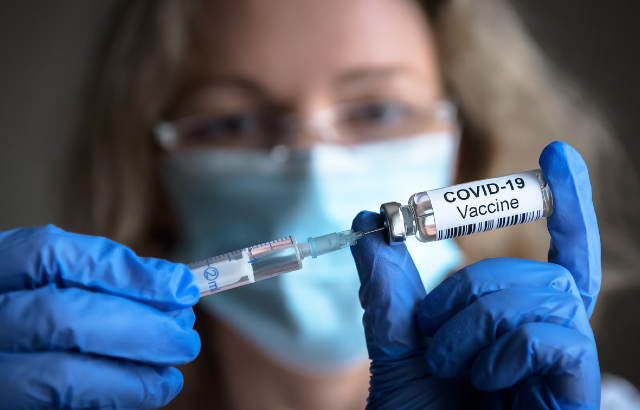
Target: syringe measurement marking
251, 253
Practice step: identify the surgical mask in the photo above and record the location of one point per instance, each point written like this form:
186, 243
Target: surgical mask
310, 320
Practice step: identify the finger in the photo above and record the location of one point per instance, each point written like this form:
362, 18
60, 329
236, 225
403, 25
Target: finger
184, 317
567, 359
575, 240
36, 257
77, 381
464, 287
456, 344
533, 393
390, 292
73, 319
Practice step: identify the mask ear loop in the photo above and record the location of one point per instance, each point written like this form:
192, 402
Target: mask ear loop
452, 107
449, 112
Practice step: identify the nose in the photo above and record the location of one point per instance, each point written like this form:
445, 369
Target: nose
318, 127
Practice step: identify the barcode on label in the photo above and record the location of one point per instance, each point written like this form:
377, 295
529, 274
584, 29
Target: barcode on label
488, 225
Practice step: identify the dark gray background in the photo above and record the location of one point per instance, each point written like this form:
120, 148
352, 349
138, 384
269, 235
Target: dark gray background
45, 47
598, 43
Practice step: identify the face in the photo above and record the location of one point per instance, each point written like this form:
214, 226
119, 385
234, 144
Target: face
260, 73
266, 73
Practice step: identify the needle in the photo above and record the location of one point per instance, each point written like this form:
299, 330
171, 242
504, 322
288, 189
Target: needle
375, 230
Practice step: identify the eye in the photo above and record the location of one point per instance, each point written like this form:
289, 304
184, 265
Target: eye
376, 113
225, 127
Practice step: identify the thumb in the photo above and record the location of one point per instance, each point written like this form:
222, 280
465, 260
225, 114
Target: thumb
575, 240
390, 293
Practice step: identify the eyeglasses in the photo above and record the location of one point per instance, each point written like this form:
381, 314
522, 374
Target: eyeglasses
348, 124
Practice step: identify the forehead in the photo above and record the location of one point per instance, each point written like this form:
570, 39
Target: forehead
304, 42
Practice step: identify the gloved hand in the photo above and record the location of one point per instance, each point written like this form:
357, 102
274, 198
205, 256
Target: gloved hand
504, 333
85, 323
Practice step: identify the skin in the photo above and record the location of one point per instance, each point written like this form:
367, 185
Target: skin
301, 57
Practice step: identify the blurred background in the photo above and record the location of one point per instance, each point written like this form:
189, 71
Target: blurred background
46, 47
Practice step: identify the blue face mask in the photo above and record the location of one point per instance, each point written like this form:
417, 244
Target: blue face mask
310, 320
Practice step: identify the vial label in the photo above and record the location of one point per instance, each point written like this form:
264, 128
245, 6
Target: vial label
485, 205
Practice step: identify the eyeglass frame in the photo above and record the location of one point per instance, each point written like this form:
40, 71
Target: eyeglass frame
166, 133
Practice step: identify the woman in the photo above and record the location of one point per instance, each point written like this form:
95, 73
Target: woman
267, 105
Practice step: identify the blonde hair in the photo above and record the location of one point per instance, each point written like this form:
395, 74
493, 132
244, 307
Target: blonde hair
515, 102
115, 190
512, 100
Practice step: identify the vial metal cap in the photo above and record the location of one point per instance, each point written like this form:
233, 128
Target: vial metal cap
394, 222
398, 219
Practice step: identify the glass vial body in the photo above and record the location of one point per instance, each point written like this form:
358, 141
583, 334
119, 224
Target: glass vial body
469, 208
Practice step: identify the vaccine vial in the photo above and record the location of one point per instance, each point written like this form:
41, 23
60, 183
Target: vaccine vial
469, 208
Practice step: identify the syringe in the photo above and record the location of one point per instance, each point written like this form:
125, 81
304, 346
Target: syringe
430, 216
266, 260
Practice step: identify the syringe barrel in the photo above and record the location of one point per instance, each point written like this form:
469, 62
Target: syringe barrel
469, 208
247, 265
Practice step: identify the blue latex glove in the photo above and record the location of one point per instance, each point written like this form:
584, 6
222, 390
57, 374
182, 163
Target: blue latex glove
501, 333
85, 323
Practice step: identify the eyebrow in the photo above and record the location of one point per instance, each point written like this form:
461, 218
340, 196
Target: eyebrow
243, 83
370, 74
353, 77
